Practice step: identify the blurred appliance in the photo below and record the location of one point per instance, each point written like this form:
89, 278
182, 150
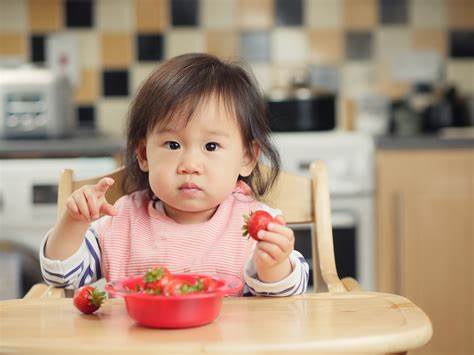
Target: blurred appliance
350, 161
301, 109
373, 114
34, 103
28, 195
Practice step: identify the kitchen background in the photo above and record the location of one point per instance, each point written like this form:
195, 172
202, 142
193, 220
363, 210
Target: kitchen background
381, 90
348, 45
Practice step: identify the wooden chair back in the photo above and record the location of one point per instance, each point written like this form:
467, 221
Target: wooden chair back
301, 199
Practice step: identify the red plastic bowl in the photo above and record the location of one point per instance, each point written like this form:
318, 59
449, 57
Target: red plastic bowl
182, 311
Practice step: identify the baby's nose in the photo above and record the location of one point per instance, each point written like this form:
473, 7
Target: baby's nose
190, 164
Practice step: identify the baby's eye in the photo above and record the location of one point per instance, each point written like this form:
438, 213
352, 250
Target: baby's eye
212, 146
172, 145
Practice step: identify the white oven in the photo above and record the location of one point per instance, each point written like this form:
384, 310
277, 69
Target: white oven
350, 161
28, 195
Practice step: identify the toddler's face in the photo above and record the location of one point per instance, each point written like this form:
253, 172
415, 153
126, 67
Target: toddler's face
193, 168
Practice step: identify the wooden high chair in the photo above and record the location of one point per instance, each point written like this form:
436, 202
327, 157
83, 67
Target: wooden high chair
396, 324
302, 200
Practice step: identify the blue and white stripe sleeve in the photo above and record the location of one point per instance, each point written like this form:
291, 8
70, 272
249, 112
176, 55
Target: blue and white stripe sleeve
294, 284
81, 268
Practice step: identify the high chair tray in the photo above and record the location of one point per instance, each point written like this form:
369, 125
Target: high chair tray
351, 322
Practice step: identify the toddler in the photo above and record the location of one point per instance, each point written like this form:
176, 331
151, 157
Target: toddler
196, 132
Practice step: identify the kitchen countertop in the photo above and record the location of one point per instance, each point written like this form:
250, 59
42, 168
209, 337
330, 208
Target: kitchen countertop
424, 142
84, 144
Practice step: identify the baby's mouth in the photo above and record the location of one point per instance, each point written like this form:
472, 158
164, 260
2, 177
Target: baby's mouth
189, 188
189, 185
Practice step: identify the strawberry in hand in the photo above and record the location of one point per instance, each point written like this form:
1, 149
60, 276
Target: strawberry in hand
88, 299
256, 222
275, 243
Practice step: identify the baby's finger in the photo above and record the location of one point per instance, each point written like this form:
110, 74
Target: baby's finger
284, 243
71, 206
103, 185
271, 249
92, 204
281, 229
280, 219
108, 209
264, 258
81, 204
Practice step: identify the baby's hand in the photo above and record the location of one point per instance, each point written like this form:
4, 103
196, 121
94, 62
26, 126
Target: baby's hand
88, 202
275, 245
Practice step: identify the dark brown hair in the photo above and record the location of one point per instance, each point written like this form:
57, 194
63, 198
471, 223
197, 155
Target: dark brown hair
177, 87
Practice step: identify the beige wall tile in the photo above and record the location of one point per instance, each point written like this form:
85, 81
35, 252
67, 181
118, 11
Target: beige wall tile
115, 15
391, 41
460, 14
140, 73
289, 45
392, 89
184, 41
263, 75
88, 89
360, 14
283, 74
116, 50
431, 39
255, 14
323, 13
152, 15
218, 13
461, 72
112, 116
45, 15
222, 43
428, 14
387, 85
89, 54
12, 44
326, 46
357, 79
13, 15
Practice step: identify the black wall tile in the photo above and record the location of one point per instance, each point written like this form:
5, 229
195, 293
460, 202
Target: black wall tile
115, 83
289, 12
79, 13
393, 12
86, 116
184, 12
461, 44
359, 45
150, 47
37, 48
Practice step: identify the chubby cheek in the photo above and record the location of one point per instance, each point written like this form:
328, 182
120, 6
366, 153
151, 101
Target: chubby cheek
223, 183
159, 183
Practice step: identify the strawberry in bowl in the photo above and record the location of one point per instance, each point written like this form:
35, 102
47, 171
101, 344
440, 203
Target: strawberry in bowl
180, 301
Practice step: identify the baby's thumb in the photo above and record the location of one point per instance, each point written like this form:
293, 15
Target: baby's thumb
108, 209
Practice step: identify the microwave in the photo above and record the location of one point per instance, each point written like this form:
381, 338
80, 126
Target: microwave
302, 111
35, 103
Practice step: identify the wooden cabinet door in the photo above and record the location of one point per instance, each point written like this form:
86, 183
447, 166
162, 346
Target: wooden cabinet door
425, 202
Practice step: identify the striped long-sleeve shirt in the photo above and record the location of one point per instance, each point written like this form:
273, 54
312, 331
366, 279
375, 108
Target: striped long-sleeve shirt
141, 236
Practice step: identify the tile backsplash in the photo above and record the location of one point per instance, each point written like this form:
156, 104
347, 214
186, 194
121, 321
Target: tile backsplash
120, 41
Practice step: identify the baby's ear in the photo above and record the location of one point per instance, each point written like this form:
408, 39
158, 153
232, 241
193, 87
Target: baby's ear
250, 159
141, 157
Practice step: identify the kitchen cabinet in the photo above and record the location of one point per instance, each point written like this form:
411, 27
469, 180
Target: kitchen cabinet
425, 239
